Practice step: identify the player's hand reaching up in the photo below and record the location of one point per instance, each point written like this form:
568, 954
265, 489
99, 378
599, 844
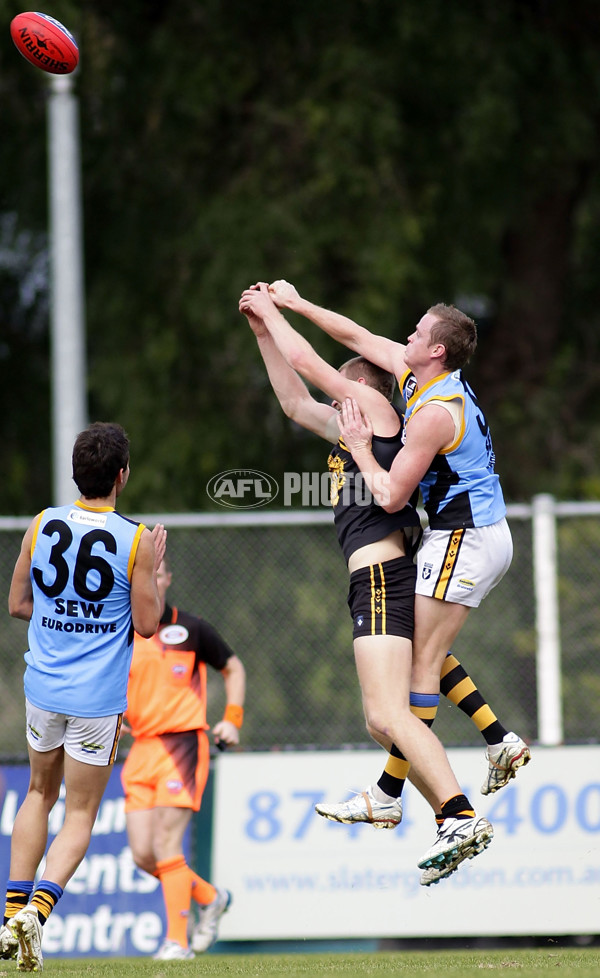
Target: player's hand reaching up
256, 323
283, 293
256, 301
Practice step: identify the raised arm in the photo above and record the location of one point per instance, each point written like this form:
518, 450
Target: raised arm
303, 359
290, 390
384, 352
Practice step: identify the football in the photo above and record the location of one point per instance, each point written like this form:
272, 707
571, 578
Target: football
44, 42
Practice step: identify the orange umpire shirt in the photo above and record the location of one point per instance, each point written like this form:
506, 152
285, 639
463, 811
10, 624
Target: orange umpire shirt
166, 710
167, 678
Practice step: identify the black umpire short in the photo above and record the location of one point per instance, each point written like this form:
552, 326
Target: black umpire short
382, 598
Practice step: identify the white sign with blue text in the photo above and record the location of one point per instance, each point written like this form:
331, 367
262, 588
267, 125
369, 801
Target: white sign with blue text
295, 875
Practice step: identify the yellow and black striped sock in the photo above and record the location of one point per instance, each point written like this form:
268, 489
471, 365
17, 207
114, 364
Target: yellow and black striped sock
394, 774
458, 687
45, 897
17, 897
425, 706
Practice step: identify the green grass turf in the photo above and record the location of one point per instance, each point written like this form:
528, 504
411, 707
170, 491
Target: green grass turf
566, 962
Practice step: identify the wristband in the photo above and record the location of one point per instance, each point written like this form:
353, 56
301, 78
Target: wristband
234, 714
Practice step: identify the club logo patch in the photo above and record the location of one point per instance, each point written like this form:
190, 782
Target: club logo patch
173, 635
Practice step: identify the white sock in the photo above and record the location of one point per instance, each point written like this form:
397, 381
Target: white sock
380, 795
509, 738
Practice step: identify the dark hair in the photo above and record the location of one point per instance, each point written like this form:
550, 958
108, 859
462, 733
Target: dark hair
99, 453
456, 331
382, 380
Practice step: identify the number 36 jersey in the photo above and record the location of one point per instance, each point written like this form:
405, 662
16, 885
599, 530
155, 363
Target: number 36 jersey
81, 632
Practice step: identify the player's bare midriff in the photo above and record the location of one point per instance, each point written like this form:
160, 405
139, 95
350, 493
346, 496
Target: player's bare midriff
389, 548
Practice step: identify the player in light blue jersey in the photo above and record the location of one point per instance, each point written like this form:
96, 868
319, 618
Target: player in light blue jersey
460, 488
85, 579
467, 548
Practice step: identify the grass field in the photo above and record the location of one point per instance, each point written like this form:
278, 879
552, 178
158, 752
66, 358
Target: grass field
569, 962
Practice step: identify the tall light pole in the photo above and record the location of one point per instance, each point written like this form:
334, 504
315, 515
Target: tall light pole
67, 323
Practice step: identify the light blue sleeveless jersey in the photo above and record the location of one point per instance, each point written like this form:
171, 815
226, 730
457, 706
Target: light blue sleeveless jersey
81, 632
460, 488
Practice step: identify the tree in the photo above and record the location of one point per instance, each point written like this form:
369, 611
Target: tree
381, 156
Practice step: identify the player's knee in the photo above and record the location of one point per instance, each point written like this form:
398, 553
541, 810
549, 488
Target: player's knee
46, 793
144, 861
372, 730
377, 726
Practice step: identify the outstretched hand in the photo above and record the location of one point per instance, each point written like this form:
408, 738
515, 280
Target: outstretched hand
283, 293
356, 430
256, 301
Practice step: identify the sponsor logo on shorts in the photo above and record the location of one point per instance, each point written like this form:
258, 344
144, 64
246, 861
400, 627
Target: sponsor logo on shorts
174, 786
89, 747
426, 572
465, 584
178, 670
34, 733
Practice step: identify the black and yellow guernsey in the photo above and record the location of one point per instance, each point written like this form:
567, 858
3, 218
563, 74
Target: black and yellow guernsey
358, 519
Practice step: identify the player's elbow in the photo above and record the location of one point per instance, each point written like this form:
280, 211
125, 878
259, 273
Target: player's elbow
20, 609
387, 493
234, 668
146, 622
299, 361
293, 408
289, 409
393, 501
147, 630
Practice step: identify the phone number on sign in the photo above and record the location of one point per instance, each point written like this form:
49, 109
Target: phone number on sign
271, 815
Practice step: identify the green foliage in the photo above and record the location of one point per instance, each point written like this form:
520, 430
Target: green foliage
382, 156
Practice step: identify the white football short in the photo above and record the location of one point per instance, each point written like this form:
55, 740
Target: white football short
93, 740
463, 566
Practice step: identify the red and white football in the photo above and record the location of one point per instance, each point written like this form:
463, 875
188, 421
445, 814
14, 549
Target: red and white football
45, 42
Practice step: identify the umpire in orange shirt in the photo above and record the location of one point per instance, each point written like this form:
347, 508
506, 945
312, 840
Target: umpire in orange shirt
166, 770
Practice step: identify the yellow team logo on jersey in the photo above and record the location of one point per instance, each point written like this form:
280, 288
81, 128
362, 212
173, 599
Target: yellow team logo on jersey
335, 465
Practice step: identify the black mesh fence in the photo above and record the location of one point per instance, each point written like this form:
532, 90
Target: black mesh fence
276, 590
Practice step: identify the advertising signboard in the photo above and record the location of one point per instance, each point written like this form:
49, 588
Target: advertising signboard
296, 875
